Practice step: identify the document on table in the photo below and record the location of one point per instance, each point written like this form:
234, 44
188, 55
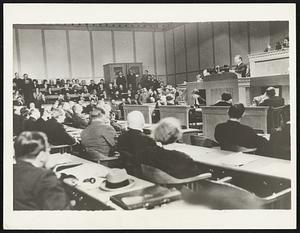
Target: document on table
86, 171
237, 159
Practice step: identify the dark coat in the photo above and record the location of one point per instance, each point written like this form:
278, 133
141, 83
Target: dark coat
275, 101
175, 163
222, 103
79, 121
37, 189
133, 141
56, 133
241, 69
232, 133
30, 125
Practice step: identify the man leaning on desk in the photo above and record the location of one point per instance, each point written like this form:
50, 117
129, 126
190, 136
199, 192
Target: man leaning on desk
232, 134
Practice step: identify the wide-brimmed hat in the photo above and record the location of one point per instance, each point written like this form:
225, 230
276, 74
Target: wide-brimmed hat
116, 179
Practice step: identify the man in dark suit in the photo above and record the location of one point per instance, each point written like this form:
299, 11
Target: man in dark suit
240, 68
233, 134
198, 98
35, 186
78, 119
225, 101
271, 99
131, 79
55, 131
121, 80
133, 140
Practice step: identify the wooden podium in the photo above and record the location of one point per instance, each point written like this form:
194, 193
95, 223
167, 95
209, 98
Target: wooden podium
214, 86
267, 69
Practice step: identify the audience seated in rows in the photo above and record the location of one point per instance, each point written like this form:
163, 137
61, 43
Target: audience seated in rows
35, 187
232, 133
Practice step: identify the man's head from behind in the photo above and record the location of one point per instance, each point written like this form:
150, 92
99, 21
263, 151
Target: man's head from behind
97, 114
136, 120
226, 96
236, 111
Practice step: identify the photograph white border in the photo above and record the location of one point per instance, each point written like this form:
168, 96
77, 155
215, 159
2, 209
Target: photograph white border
106, 13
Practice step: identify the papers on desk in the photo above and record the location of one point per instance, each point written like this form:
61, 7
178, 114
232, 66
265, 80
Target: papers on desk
238, 159
86, 171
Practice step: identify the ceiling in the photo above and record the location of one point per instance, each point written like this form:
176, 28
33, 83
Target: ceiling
103, 26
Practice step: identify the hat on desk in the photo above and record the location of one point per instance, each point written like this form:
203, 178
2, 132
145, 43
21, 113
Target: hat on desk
116, 179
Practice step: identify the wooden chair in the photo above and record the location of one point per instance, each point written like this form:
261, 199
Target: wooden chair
160, 177
274, 117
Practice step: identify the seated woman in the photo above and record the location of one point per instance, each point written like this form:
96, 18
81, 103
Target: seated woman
175, 163
35, 187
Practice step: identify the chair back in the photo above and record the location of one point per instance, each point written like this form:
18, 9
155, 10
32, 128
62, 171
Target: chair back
274, 117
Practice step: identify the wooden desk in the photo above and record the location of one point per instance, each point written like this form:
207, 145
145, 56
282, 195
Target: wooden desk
255, 117
145, 109
260, 165
93, 190
103, 197
180, 112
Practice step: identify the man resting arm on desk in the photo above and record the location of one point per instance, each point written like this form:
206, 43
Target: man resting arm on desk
233, 134
175, 163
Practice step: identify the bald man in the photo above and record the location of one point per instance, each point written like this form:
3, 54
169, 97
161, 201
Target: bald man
133, 140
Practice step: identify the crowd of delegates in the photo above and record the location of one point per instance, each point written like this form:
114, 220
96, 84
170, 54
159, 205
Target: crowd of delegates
36, 186
129, 88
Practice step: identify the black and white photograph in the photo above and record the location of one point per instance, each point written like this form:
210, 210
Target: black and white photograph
133, 116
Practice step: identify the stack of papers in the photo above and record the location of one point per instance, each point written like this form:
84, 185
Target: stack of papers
237, 159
